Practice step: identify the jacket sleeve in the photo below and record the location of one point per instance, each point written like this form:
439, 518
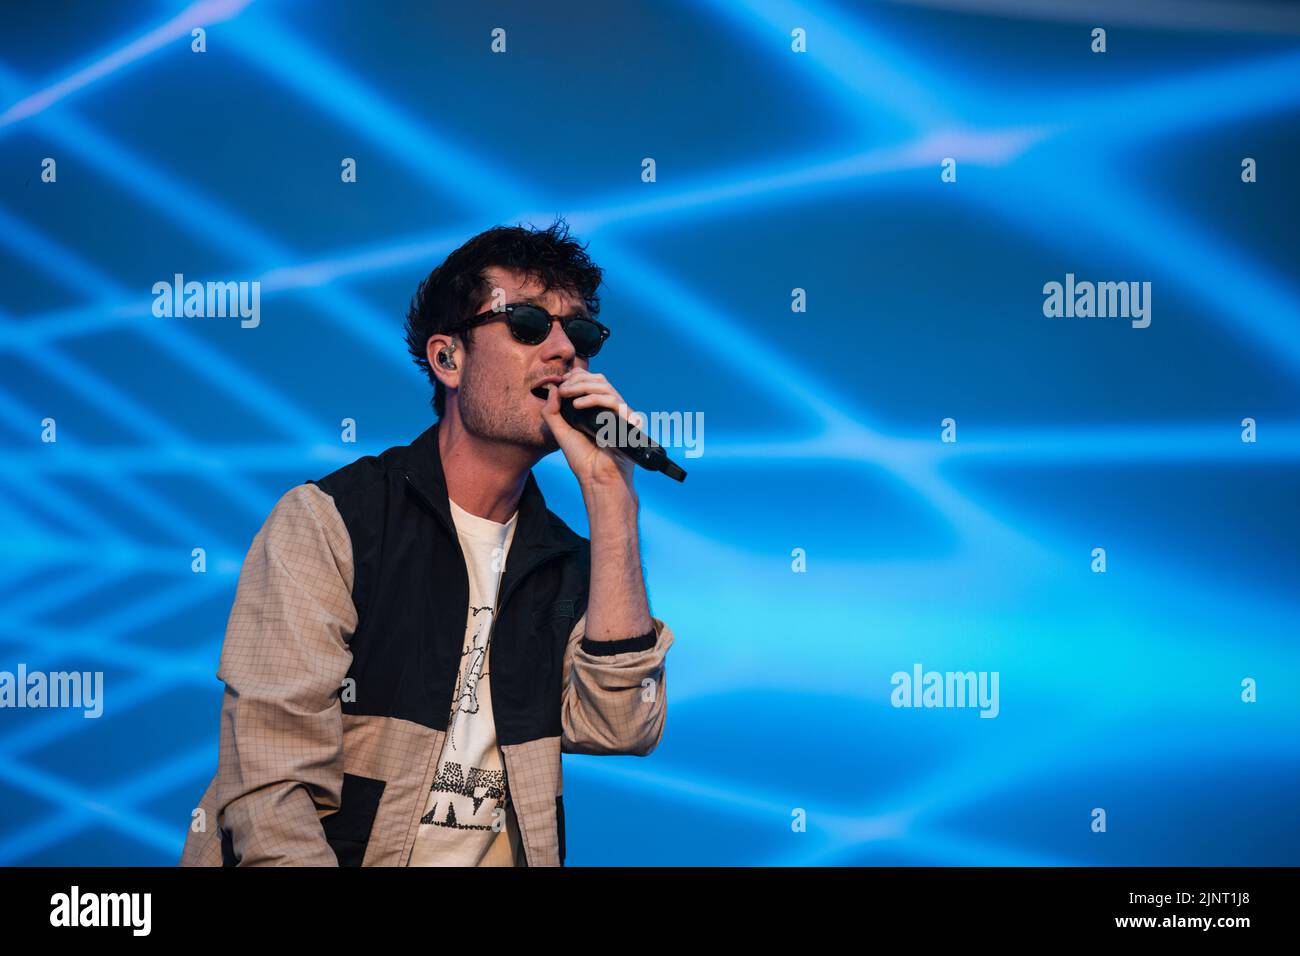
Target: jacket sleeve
283, 662
615, 695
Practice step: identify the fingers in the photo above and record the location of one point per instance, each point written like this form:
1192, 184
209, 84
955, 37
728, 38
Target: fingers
612, 402
551, 410
579, 382
592, 389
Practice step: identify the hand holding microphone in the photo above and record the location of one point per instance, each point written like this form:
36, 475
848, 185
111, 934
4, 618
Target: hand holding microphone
584, 402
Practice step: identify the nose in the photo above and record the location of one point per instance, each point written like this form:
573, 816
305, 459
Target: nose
557, 347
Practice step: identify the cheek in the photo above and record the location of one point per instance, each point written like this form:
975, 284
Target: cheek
492, 368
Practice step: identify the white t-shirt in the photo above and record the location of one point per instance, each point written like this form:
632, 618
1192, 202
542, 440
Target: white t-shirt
470, 783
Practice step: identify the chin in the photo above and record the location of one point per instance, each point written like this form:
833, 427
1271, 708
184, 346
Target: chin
546, 440
537, 438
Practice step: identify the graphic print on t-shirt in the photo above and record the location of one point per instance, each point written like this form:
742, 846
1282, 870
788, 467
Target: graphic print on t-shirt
472, 670
470, 792
478, 786
452, 783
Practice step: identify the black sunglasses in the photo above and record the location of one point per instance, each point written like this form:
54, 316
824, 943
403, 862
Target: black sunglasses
531, 324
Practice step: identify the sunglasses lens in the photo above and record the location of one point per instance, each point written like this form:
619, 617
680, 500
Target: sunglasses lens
584, 335
529, 325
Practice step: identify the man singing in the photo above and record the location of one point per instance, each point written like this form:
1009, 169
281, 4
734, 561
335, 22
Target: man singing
415, 638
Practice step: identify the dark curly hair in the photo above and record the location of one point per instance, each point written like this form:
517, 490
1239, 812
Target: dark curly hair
457, 290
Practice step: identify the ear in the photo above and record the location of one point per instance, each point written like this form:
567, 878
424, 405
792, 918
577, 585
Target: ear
450, 377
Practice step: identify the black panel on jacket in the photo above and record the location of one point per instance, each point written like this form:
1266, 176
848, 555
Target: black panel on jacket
411, 591
347, 829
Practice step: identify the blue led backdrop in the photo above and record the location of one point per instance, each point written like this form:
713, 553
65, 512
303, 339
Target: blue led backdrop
831, 233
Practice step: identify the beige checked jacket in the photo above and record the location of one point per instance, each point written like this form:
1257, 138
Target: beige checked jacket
315, 769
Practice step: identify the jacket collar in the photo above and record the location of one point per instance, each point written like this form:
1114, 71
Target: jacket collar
536, 530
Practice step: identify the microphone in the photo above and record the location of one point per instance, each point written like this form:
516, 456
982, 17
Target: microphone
628, 440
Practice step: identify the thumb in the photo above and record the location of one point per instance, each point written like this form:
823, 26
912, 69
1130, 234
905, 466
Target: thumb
551, 410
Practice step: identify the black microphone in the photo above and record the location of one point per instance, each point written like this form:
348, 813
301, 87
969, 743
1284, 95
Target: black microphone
627, 438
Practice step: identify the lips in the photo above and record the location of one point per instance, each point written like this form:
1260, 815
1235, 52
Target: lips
540, 389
